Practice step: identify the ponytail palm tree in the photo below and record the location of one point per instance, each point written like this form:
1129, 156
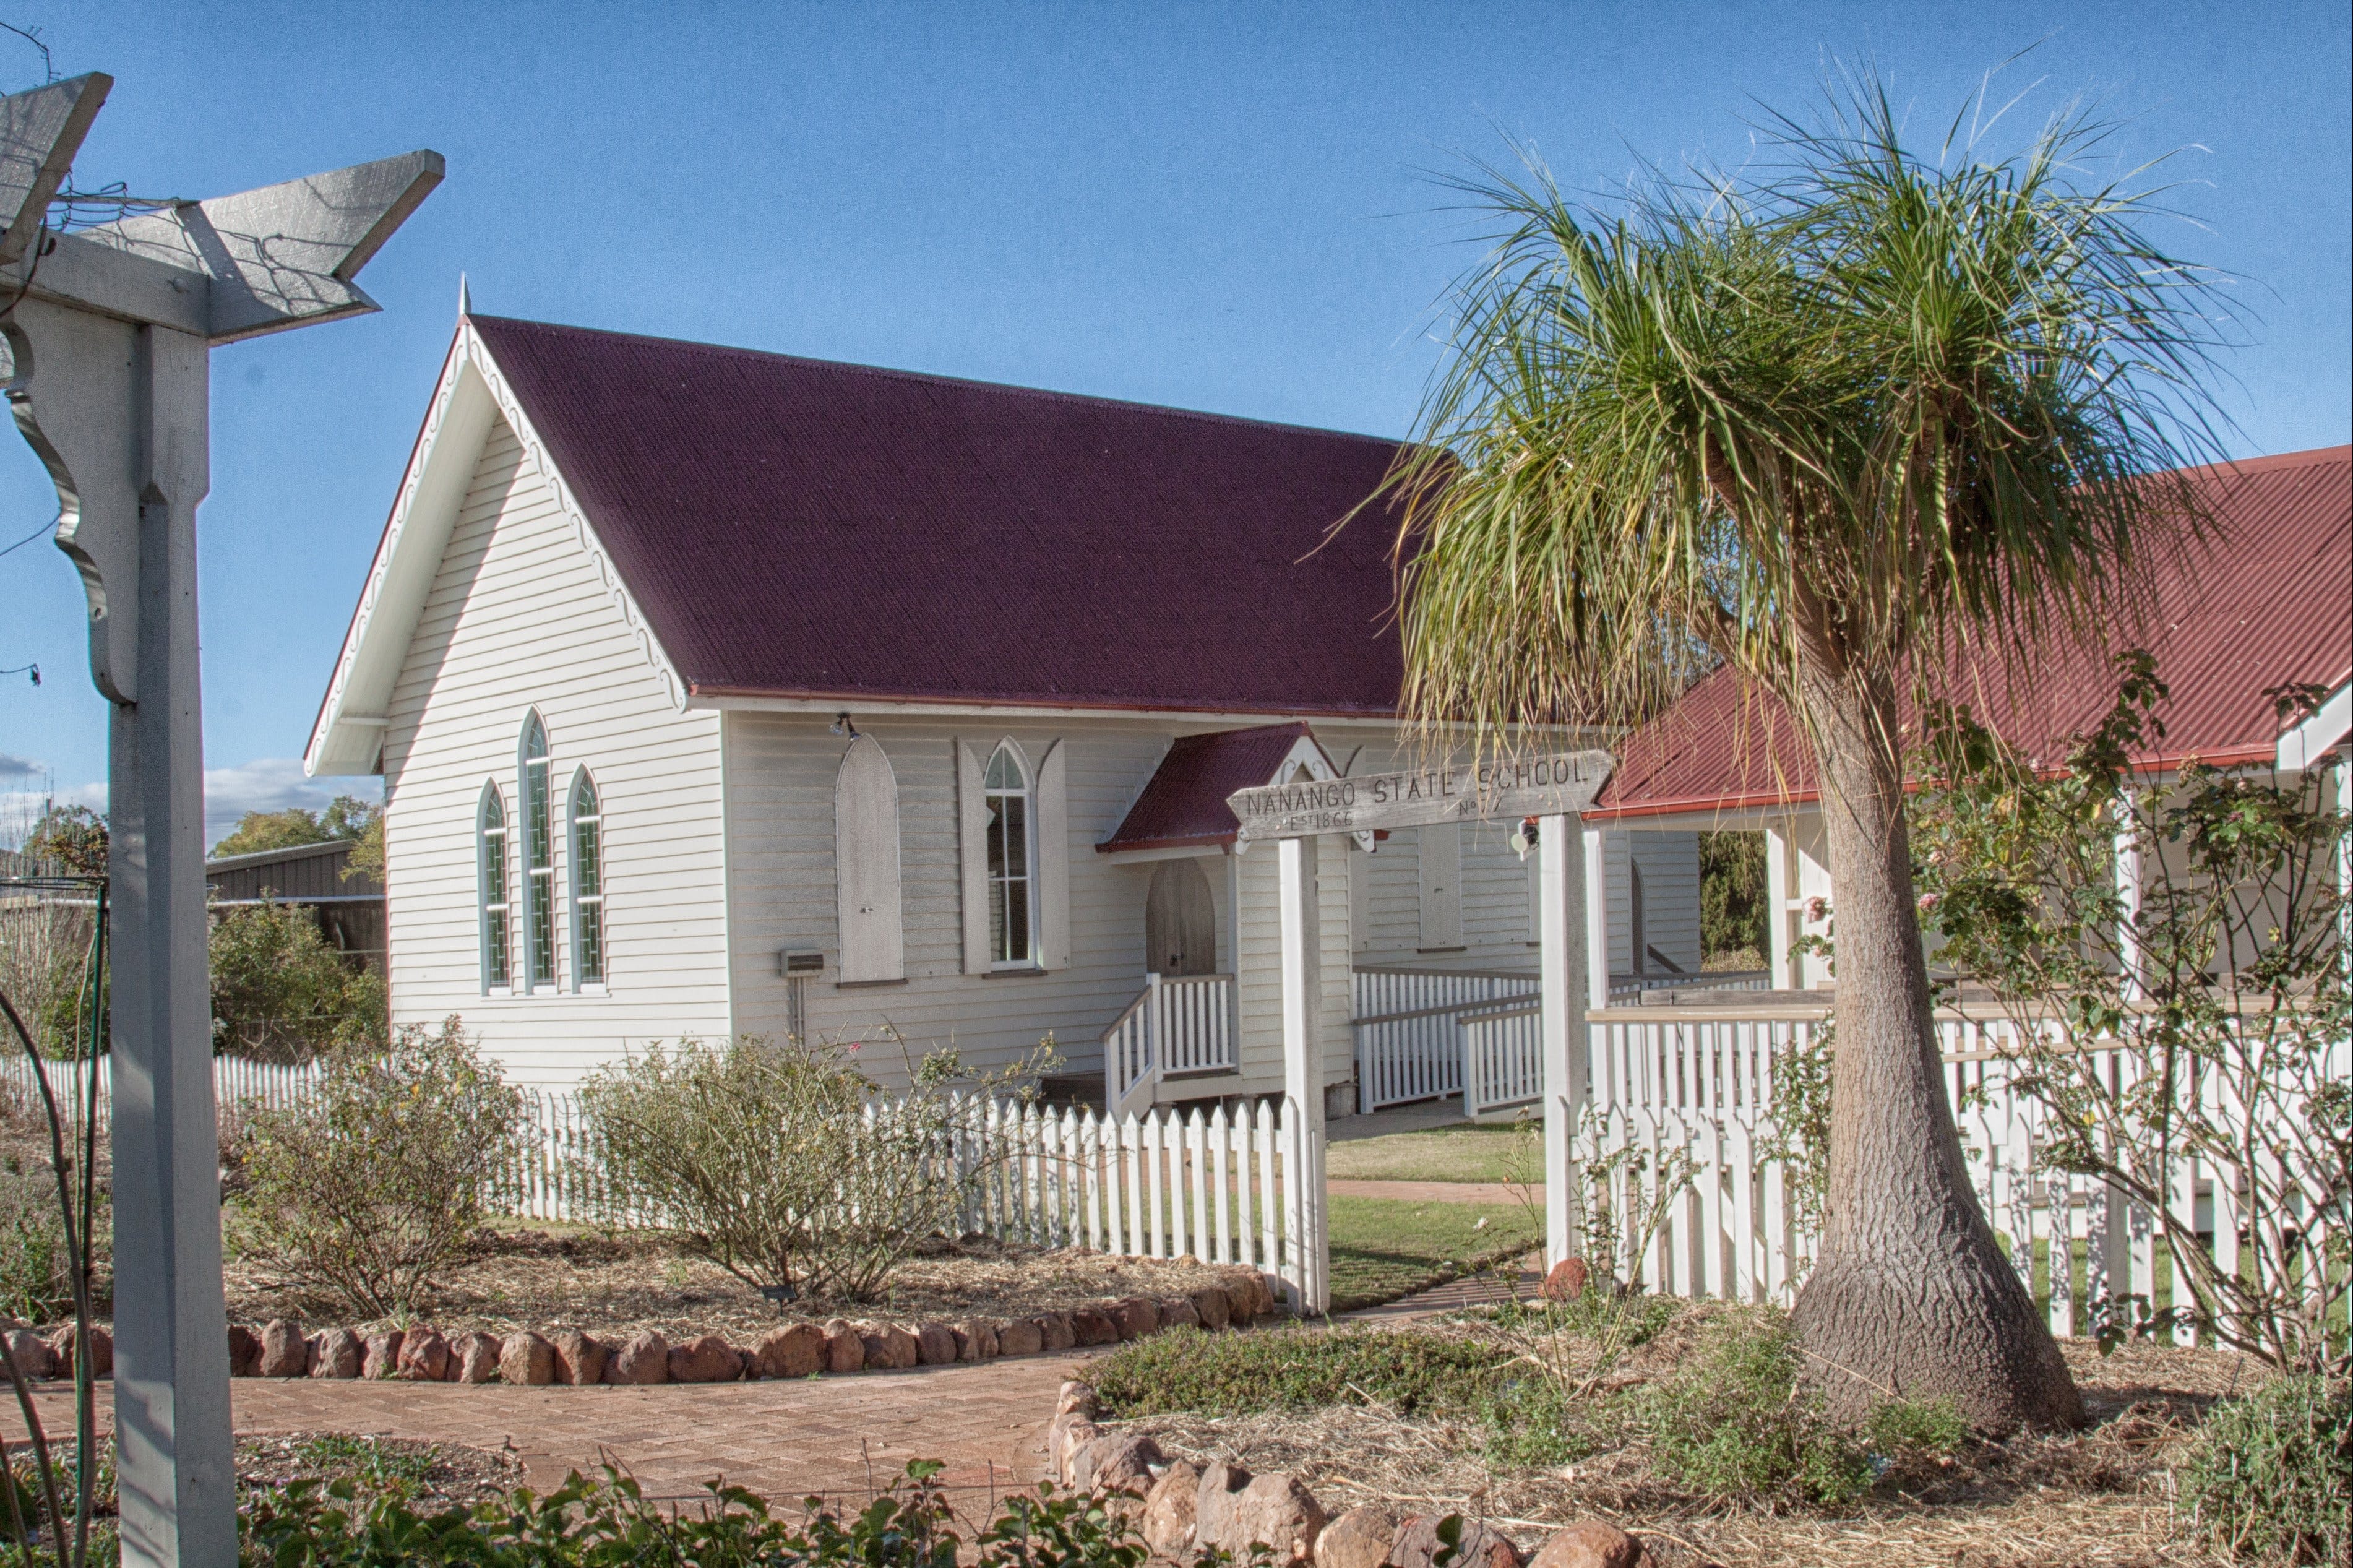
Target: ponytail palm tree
1833, 426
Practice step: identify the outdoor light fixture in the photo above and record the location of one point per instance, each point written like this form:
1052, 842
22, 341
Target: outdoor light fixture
842, 726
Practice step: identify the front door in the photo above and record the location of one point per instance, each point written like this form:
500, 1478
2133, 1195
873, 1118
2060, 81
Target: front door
1180, 921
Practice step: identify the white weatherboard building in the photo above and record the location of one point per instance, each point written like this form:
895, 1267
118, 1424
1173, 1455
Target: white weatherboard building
718, 692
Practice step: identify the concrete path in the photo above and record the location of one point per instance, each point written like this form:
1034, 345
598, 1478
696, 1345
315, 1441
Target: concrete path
1428, 1192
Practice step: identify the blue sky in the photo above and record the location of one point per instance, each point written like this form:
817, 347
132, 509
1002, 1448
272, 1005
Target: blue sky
1224, 207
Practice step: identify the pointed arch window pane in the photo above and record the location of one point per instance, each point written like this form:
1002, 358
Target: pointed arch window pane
1011, 932
497, 970
588, 882
539, 856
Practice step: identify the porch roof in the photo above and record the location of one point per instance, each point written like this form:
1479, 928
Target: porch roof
2269, 601
1184, 803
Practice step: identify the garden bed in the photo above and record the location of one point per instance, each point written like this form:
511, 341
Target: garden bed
606, 1285
1419, 1421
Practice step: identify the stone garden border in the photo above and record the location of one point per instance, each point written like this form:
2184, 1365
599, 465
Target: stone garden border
559, 1357
1181, 1507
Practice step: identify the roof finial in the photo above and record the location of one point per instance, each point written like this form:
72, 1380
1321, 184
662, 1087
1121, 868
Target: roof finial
465, 298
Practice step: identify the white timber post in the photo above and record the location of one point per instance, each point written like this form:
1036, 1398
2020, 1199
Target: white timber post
108, 333
1302, 1077
1777, 905
1593, 885
1565, 872
2128, 885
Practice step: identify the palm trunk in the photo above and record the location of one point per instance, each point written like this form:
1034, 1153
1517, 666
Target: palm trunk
1911, 1297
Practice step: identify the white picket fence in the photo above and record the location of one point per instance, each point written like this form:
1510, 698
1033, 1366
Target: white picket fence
1702, 1090
1177, 1024
1213, 1183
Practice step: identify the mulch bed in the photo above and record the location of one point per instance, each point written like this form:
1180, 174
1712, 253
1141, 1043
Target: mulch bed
609, 1286
2093, 1500
442, 1472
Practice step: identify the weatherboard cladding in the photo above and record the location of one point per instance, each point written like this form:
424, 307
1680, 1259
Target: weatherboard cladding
2267, 602
1184, 802
795, 528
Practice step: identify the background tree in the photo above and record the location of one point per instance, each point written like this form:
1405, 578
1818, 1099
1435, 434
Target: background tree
281, 993
346, 817
69, 841
1732, 908
1828, 423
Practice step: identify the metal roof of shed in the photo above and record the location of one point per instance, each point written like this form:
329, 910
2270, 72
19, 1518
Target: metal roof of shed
2268, 602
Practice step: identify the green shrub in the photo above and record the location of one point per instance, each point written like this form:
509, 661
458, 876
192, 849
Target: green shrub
1297, 1368
2270, 1477
1533, 1422
784, 1164
609, 1523
1732, 1425
367, 1188
281, 993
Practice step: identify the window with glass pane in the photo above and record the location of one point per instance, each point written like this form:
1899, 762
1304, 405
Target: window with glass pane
495, 973
588, 882
539, 857
1008, 791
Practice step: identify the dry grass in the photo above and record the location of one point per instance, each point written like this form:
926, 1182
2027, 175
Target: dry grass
520, 1278
2094, 1499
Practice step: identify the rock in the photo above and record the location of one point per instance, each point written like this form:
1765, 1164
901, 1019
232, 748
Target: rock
1241, 1303
1022, 1336
244, 1350
474, 1358
1212, 1308
380, 1354
284, 1351
1115, 1462
102, 1351
1136, 1316
1167, 1523
1278, 1511
976, 1341
936, 1344
1588, 1544
34, 1358
338, 1354
888, 1347
1357, 1539
1480, 1545
424, 1356
1054, 1331
845, 1348
1566, 1280
579, 1360
643, 1358
1065, 1436
1215, 1505
1091, 1327
1075, 1398
526, 1361
797, 1351
1178, 1312
706, 1358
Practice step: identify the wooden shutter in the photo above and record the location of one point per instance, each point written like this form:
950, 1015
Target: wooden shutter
972, 852
866, 864
1053, 830
1438, 848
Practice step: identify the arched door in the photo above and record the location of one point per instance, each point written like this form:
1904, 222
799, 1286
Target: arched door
1180, 921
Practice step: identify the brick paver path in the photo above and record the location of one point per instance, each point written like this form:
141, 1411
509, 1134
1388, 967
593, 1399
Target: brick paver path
986, 1421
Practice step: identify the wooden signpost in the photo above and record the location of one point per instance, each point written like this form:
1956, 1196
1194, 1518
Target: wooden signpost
1561, 783
1555, 790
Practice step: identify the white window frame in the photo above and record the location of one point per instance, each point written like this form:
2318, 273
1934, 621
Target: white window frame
1002, 926
587, 905
494, 894
538, 881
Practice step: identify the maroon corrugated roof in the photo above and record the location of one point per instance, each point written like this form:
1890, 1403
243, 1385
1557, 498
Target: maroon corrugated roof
795, 528
1184, 800
2269, 602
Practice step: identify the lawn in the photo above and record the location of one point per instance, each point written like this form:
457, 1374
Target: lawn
1462, 1153
1382, 1248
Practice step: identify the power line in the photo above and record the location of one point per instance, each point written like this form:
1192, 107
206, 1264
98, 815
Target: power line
27, 539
